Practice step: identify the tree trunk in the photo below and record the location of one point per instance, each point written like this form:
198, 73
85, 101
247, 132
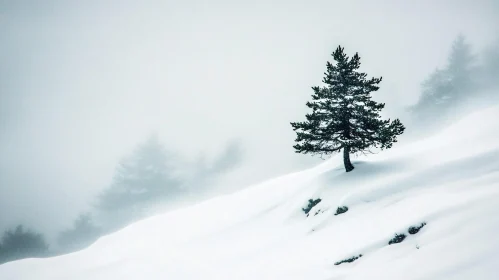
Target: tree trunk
346, 159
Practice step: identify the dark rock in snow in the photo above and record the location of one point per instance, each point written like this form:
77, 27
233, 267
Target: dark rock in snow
311, 204
397, 239
341, 210
415, 229
352, 259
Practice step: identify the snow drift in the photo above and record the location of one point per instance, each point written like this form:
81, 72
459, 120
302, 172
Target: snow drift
450, 182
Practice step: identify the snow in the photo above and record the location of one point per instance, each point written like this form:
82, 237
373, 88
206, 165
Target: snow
450, 181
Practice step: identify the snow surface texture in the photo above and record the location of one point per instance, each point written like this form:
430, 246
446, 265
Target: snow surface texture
449, 181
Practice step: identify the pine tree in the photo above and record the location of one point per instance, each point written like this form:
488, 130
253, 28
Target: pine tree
343, 115
436, 96
20, 243
460, 68
82, 234
144, 177
447, 87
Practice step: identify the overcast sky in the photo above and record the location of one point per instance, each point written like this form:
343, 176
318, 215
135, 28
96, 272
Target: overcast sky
82, 82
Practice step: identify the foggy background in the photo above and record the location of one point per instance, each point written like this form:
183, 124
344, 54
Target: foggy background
82, 83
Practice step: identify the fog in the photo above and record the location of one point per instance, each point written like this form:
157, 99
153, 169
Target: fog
83, 82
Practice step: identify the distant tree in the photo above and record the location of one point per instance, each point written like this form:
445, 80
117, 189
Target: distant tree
343, 115
447, 87
142, 179
460, 67
19, 243
82, 234
435, 98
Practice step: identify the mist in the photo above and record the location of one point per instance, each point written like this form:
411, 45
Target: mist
83, 83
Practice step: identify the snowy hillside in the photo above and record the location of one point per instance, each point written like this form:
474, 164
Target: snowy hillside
450, 182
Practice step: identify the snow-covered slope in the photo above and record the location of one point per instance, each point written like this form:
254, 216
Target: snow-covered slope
449, 181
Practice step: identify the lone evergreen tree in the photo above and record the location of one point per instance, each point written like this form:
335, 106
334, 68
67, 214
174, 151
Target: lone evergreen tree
343, 115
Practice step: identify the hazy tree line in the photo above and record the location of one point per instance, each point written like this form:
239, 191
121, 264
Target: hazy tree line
469, 79
149, 176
